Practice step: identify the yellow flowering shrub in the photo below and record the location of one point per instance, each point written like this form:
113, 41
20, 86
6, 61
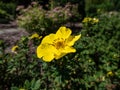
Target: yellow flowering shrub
57, 45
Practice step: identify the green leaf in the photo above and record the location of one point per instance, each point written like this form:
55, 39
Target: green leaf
33, 83
27, 84
37, 85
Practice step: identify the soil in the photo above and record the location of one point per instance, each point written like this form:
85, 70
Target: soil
10, 34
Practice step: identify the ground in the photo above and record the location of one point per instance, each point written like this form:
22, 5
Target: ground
10, 34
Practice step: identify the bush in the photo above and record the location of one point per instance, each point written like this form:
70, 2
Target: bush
94, 7
36, 19
99, 47
7, 11
4, 16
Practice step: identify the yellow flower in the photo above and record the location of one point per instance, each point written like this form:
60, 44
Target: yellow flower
14, 48
95, 20
87, 19
90, 20
57, 45
103, 78
110, 73
35, 35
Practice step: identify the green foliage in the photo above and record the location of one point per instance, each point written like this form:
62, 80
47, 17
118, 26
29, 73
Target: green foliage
99, 46
7, 11
4, 16
33, 85
36, 19
94, 7
8, 7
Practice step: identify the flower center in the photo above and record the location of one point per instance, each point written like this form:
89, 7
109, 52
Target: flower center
59, 43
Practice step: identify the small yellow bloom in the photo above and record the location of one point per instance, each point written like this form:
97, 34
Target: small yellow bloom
21, 89
90, 20
35, 35
57, 45
87, 19
14, 48
95, 20
98, 10
110, 73
103, 78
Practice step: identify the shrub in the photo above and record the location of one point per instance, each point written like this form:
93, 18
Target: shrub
4, 16
36, 19
99, 46
92, 7
7, 11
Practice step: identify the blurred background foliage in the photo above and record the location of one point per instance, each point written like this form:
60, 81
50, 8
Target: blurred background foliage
95, 65
85, 7
36, 19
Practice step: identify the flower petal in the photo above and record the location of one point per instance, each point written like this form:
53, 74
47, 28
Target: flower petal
48, 39
72, 39
35, 35
63, 32
14, 48
46, 52
59, 56
48, 57
65, 51
68, 49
